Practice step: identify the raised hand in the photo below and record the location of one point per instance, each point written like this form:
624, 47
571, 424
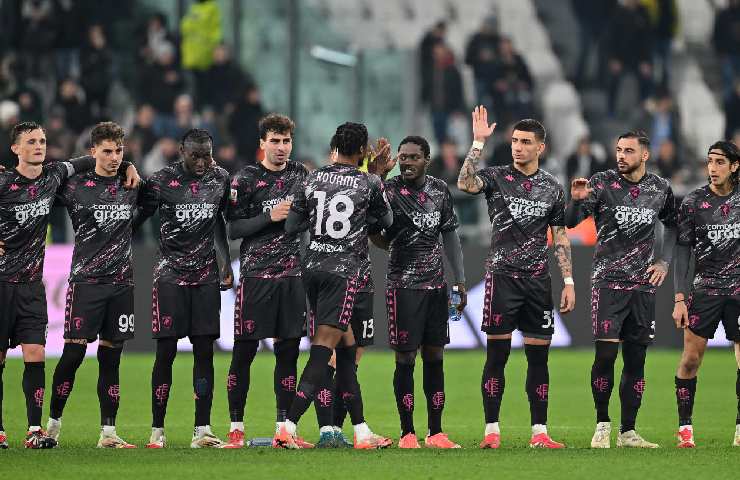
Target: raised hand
579, 189
481, 129
381, 161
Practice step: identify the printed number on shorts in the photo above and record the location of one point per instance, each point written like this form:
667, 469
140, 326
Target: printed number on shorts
126, 323
547, 316
336, 216
368, 328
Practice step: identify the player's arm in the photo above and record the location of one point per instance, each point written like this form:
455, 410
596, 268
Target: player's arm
148, 202
562, 252
296, 222
666, 237
468, 179
681, 282
226, 275
453, 252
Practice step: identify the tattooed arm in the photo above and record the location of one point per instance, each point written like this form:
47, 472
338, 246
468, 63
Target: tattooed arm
561, 249
468, 180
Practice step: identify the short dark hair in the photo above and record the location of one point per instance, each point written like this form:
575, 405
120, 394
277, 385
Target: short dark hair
731, 151
351, 138
196, 135
23, 127
417, 140
276, 123
532, 125
107, 131
640, 135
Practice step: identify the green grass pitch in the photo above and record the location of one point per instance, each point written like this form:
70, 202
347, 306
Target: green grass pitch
571, 421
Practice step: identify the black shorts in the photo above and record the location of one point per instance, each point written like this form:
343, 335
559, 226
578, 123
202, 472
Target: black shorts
99, 310
363, 323
22, 314
511, 303
331, 299
706, 311
627, 315
180, 311
417, 317
270, 308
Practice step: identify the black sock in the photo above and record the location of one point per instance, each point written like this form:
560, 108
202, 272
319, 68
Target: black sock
403, 387
109, 390
602, 377
434, 390
325, 399
64, 377
2, 368
285, 375
162, 379
737, 392
538, 382
494, 380
632, 384
237, 382
685, 391
340, 408
203, 379
312, 376
33, 388
348, 384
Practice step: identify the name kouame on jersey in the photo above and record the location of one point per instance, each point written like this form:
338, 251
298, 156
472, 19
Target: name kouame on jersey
710, 224
419, 217
102, 213
338, 199
626, 214
521, 209
189, 210
255, 190
25, 205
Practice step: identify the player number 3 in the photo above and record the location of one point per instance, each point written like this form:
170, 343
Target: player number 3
335, 215
126, 323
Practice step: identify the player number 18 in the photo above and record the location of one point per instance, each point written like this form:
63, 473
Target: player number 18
335, 216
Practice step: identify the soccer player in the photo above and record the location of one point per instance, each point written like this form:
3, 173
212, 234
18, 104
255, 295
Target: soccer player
708, 226
192, 196
627, 203
523, 202
416, 294
334, 203
100, 297
26, 196
271, 301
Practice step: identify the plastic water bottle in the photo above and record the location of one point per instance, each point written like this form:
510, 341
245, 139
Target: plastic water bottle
455, 299
261, 442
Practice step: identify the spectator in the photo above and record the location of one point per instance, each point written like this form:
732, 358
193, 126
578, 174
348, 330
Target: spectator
501, 154
96, 64
30, 103
664, 23
592, 19
431, 38
584, 162
156, 40
38, 34
446, 166
629, 49
243, 124
165, 152
444, 86
732, 111
162, 82
184, 119
512, 87
201, 33
228, 158
9, 116
69, 38
9, 76
143, 129
726, 41
667, 163
60, 140
480, 54
661, 120
220, 85
71, 99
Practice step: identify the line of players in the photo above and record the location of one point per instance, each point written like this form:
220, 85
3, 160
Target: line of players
306, 235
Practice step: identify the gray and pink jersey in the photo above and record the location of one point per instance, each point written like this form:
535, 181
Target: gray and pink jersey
337, 201
25, 205
255, 190
710, 225
626, 214
189, 209
420, 216
102, 214
521, 208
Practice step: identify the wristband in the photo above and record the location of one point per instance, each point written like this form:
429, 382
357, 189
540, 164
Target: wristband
569, 281
478, 145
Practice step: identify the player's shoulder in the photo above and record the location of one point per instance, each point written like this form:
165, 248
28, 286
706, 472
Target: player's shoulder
602, 176
695, 195
220, 173
8, 176
495, 170
660, 182
247, 173
296, 167
437, 183
548, 177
